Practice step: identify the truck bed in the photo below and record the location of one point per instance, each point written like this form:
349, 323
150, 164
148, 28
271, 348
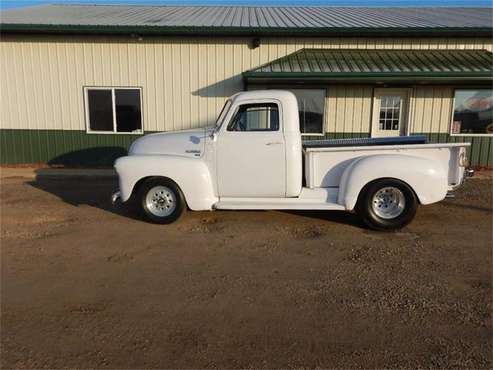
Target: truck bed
399, 140
324, 165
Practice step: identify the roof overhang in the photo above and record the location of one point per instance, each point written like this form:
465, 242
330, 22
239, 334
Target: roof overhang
310, 66
307, 79
285, 21
247, 31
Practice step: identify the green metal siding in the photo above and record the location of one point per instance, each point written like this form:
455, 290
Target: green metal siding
77, 148
62, 147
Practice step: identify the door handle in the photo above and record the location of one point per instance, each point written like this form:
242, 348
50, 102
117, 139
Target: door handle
274, 143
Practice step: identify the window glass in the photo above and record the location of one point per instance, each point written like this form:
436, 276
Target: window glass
311, 106
114, 110
223, 113
128, 114
256, 117
100, 110
473, 112
390, 107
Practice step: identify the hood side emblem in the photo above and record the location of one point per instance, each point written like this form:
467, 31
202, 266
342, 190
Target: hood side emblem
196, 152
195, 139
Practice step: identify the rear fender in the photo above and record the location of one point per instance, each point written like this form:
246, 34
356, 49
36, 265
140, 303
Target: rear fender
426, 177
191, 174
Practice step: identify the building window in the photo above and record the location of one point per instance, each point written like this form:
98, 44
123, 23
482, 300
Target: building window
113, 110
311, 105
473, 112
255, 117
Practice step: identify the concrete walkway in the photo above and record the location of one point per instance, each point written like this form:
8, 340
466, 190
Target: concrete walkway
52, 173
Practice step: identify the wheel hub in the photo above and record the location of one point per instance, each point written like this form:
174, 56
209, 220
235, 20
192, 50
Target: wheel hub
161, 201
388, 202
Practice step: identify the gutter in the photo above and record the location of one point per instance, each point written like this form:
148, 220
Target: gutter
307, 78
376, 75
245, 31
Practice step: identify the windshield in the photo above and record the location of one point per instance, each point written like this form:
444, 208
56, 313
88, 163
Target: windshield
225, 109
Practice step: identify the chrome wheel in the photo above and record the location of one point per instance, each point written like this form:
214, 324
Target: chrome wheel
388, 202
160, 201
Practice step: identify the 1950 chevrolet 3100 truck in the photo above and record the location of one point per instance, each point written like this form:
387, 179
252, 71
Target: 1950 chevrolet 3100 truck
254, 158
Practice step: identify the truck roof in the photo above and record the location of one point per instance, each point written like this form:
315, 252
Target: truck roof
286, 97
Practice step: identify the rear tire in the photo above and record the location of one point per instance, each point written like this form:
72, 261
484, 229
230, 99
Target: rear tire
387, 204
161, 201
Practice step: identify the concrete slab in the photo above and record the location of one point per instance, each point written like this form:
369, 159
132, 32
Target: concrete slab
52, 173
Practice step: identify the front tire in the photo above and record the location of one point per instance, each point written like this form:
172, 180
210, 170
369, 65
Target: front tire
161, 201
387, 204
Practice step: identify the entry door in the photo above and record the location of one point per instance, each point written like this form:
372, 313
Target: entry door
390, 109
251, 153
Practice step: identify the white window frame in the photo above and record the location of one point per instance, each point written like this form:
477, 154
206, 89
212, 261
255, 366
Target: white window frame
453, 109
112, 89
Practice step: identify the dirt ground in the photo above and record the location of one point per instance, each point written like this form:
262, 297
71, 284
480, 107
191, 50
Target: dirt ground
87, 286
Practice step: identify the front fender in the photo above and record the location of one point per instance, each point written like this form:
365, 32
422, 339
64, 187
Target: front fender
191, 174
425, 176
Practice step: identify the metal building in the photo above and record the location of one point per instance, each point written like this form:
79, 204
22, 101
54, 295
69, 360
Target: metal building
81, 82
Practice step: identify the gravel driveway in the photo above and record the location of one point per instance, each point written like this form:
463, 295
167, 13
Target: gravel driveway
87, 286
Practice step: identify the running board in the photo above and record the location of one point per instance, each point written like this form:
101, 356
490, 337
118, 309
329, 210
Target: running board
316, 199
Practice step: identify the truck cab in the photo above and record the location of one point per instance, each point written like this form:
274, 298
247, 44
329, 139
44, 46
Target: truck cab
254, 158
257, 146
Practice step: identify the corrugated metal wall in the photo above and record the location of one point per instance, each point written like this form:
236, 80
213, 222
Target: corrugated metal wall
349, 108
349, 114
184, 82
431, 109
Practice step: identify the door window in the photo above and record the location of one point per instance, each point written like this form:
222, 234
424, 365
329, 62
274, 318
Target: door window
256, 117
390, 108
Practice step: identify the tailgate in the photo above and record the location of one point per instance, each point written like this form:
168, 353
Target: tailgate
457, 166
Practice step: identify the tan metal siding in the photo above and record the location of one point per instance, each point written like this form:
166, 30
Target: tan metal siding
431, 109
184, 80
348, 109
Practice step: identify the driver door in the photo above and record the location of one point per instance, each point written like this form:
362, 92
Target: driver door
251, 153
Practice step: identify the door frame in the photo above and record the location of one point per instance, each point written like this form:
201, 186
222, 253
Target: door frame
405, 112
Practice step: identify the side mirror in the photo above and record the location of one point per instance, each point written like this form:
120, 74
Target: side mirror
213, 135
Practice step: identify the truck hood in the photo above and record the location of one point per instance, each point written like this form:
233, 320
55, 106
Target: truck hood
187, 143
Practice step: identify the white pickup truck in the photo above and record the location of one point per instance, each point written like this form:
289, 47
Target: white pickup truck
254, 158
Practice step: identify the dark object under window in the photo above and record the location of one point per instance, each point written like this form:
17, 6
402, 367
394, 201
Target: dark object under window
473, 112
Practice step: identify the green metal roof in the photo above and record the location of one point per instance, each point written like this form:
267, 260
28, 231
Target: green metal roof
378, 64
249, 20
